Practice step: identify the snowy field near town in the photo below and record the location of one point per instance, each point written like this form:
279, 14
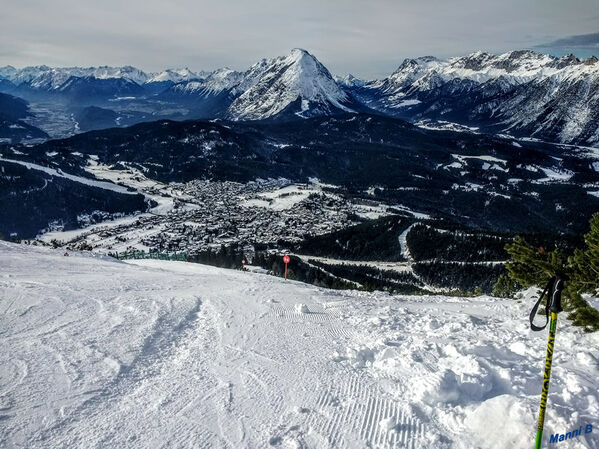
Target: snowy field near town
97, 353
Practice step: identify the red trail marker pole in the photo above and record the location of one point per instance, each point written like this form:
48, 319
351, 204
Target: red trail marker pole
286, 259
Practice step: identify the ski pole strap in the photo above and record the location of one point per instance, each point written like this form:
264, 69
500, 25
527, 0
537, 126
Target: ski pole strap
549, 292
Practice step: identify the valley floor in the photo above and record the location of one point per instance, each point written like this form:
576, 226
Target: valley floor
152, 354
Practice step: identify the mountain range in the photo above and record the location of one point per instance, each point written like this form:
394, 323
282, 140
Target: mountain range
520, 93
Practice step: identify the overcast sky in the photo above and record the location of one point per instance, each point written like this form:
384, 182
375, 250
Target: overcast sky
366, 38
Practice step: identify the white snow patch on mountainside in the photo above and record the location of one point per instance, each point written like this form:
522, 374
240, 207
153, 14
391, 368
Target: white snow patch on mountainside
405, 103
553, 175
99, 353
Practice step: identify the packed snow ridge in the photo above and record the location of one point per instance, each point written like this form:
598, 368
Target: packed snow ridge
100, 353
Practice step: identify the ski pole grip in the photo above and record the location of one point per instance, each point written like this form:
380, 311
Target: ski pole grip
556, 294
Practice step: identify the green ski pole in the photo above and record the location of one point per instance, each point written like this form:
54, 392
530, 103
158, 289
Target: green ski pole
554, 305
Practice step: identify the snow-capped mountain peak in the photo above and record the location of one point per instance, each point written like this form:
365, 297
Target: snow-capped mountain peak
350, 80
298, 79
298, 54
7, 72
591, 60
411, 70
221, 82
223, 79
176, 76
127, 72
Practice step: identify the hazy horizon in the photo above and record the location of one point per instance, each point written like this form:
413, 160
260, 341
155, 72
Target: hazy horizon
366, 39
581, 56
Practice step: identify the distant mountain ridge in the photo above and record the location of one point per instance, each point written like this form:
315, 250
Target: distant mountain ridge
52, 77
12, 127
522, 93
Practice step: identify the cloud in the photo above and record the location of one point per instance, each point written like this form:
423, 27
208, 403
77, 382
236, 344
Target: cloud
581, 41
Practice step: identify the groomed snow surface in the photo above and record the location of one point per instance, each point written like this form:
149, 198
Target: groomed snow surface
96, 353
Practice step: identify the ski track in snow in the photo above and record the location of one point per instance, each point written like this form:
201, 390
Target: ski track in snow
98, 353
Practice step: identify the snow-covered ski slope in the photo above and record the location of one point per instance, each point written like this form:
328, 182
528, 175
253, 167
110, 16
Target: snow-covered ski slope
96, 353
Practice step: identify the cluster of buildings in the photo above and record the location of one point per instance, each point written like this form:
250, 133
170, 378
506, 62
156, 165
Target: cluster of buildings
201, 215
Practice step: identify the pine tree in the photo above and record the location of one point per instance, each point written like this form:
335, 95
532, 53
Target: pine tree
505, 287
585, 263
584, 278
534, 267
